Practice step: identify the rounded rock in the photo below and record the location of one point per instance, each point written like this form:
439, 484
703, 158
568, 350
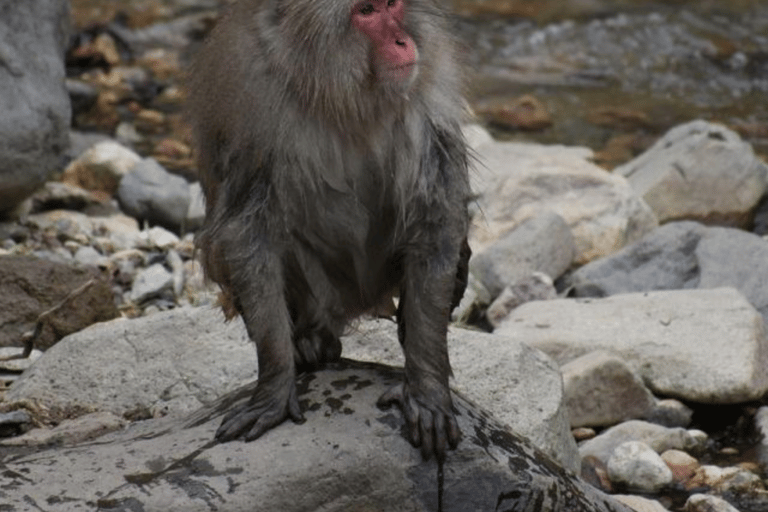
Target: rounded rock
637, 466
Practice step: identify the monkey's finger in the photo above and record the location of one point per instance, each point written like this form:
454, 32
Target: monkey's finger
441, 438
454, 432
294, 412
235, 424
426, 426
412, 414
294, 409
265, 422
391, 396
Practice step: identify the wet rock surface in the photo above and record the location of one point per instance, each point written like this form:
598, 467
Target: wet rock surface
353, 457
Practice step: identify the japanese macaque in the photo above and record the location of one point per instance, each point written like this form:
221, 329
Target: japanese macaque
334, 171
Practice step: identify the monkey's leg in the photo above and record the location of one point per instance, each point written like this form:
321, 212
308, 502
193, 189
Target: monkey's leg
316, 312
315, 347
260, 299
423, 316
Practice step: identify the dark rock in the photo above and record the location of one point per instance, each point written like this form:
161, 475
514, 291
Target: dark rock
682, 255
13, 423
55, 195
670, 413
82, 96
537, 286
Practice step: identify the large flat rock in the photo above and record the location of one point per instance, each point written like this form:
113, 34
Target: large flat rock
173, 362
682, 255
701, 345
349, 455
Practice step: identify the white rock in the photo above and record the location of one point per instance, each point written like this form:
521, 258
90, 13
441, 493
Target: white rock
122, 365
640, 504
89, 256
17, 365
542, 243
151, 282
673, 339
516, 181
348, 455
66, 222
159, 237
601, 390
196, 212
708, 503
699, 171
761, 425
171, 360
107, 157
659, 438
121, 229
637, 466
476, 136
126, 133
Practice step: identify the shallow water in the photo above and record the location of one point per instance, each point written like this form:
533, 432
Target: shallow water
660, 68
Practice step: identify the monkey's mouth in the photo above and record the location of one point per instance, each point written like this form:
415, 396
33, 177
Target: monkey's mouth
407, 67
404, 74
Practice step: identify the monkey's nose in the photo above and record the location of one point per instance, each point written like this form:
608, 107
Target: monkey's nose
400, 42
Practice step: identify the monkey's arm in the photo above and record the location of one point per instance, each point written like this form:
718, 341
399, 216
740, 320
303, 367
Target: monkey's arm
424, 395
259, 298
434, 280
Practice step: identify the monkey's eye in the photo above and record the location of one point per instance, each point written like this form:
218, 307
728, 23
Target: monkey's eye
367, 9
391, 3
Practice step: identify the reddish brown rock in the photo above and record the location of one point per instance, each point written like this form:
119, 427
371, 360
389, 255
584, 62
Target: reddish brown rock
30, 287
523, 113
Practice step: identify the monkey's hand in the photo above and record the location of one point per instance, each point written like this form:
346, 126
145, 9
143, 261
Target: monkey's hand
429, 418
272, 402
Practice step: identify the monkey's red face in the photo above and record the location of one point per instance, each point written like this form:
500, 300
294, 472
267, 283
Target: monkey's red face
394, 52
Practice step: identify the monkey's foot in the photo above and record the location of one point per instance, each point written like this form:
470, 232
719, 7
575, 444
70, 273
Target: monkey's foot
271, 404
428, 425
316, 348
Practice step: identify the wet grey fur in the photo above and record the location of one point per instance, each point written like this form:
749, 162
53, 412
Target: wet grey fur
326, 188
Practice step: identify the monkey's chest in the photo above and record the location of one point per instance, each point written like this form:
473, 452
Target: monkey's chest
350, 241
344, 221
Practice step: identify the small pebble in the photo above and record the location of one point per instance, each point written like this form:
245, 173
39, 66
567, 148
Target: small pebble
583, 433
